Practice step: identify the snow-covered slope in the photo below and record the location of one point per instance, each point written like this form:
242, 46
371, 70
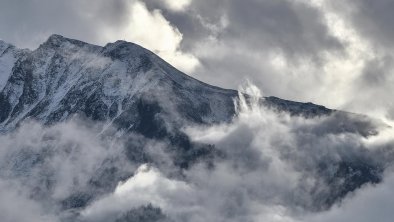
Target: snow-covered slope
65, 76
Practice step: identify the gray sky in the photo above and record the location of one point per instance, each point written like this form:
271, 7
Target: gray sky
331, 52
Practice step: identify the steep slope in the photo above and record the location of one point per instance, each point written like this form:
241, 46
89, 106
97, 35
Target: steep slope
112, 84
64, 76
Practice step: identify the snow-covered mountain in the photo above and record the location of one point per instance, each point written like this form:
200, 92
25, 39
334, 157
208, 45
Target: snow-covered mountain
126, 90
116, 84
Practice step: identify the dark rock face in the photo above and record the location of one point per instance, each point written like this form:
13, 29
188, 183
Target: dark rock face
132, 90
144, 214
297, 108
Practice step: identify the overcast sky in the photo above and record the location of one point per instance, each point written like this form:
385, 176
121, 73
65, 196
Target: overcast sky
331, 52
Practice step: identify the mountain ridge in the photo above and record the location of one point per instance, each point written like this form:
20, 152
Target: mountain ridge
121, 50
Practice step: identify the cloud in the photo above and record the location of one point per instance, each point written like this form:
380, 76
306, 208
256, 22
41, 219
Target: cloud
320, 51
153, 31
282, 168
317, 51
177, 5
367, 204
270, 167
97, 22
15, 205
147, 186
54, 168
371, 19
274, 167
75, 19
273, 43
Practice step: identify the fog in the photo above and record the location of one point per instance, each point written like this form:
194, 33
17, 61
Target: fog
272, 167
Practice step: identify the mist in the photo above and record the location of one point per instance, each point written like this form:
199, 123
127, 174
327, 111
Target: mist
271, 166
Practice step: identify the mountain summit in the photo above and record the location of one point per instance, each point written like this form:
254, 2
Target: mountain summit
66, 76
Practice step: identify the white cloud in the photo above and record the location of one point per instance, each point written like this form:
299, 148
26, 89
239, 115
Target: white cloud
273, 163
100, 22
269, 174
153, 31
46, 165
270, 171
147, 186
177, 5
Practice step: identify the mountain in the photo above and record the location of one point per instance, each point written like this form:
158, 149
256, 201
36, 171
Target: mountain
129, 90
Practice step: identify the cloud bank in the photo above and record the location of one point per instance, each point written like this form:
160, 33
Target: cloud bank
271, 167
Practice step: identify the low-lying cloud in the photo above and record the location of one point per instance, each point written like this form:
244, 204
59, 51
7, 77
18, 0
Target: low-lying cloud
50, 168
271, 167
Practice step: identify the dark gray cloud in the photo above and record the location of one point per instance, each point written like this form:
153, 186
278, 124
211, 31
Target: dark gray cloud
370, 22
335, 53
249, 32
28, 23
372, 18
234, 40
295, 28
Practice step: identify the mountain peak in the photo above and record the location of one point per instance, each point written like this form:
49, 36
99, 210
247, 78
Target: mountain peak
56, 41
124, 49
56, 37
